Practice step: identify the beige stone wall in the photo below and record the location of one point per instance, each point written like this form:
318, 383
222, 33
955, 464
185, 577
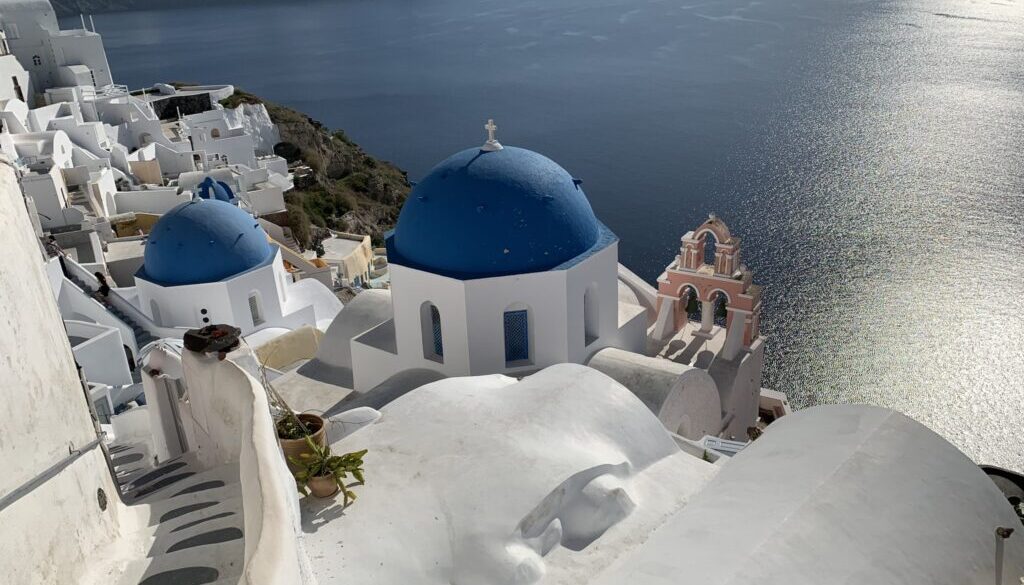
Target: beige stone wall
148, 171
289, 348
355, 264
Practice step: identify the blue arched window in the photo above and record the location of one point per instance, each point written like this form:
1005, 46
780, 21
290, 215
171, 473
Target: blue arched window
430, 323
435, 328
517, 336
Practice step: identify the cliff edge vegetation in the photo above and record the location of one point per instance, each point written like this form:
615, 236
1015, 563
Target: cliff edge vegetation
343, 189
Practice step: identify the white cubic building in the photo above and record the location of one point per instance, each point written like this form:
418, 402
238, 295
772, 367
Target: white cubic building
498, 265
207, 261
53, 57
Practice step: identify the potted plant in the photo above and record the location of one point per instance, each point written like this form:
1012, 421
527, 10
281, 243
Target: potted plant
293, 430
296, 432
324, 474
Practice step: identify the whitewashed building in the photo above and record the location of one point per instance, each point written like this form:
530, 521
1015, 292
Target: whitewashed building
208, 261
53, 57
498, 265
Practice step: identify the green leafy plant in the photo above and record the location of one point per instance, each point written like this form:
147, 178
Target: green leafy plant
322, 463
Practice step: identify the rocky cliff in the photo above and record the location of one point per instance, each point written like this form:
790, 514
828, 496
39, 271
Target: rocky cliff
345, 189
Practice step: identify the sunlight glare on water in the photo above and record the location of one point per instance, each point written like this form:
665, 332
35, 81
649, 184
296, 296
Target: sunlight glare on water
870, 154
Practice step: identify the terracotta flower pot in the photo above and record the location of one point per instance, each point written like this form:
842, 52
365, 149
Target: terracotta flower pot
295, 447
323, 486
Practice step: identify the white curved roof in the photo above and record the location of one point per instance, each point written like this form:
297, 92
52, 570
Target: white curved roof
837, 494
487, 480
22, 11
333, 361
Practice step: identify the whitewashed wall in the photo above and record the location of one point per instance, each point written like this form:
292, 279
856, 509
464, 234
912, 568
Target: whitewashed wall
49, 533
101, 355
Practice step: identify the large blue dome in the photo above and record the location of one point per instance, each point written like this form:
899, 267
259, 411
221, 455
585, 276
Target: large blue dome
481, 214
204, 240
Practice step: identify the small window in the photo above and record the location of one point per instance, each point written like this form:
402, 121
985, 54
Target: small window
255, 310
517, 336
154, 311
215, 133
37, 60
430, 322
591, 317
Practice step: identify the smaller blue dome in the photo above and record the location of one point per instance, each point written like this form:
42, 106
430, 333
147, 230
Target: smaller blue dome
219, 190
204, 240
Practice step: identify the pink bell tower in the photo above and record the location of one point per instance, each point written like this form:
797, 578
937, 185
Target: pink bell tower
690, 275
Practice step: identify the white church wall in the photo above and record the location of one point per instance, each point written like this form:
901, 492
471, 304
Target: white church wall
227, 302
374, 365
542, 294
411, 288
263, 284
597, 274
46, 413
182, 306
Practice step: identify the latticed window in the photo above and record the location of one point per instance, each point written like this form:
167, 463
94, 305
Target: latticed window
254, 310
435, 327
517, 336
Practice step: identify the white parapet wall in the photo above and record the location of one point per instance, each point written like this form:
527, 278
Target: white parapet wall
238, 426
52, 468
684, 398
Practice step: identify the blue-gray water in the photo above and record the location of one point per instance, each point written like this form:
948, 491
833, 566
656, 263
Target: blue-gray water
870, 154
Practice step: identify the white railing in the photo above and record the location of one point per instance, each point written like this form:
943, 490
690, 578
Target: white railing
90, 93
116, 300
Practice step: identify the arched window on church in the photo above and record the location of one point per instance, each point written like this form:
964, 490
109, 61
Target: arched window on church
37, 60
517, 335
720, 303
591, 316
215, 133
430, 324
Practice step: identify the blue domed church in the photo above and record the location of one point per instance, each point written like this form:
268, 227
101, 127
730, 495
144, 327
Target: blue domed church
498, 265
208, 261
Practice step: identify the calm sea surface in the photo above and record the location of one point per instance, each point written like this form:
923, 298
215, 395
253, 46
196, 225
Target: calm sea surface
870, 154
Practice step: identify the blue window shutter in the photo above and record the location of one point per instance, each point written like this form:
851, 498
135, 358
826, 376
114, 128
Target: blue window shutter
517, 336
435, 324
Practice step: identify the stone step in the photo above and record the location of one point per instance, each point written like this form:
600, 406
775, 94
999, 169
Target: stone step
219, 561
